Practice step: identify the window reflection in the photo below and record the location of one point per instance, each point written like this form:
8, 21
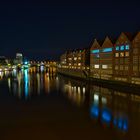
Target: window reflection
75, 93
105, 106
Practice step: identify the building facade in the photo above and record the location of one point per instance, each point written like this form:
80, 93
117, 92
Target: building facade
122, 58
95, 68
106, 59
117, 60
135, 73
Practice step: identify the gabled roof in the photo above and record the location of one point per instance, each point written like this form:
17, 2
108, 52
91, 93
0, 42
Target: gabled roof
135, 34
128, 35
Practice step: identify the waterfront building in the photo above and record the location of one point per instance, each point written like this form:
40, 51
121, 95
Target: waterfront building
136, 59
19, 58
63, 60
106, 59
80, 57
95, 59
122, 58
117, 60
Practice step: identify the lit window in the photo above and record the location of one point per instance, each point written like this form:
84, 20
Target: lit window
79, 64
122, 54
116, 67
96, 66
75, 58
126, 54
116, 54
107, 50
122, 48
127, 47
79, 58
69, 64
95, 51
117, 48
70, 58
104, 66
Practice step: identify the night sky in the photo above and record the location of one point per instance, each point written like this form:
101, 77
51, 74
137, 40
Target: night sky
44, 30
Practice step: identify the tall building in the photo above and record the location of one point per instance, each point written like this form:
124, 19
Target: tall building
95, 59
106, 59
19, 58
122, 57
135, 73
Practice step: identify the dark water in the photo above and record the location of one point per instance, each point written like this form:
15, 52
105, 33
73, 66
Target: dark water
44, 105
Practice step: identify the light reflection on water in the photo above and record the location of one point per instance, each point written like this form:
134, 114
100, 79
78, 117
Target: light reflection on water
28, 82
112, 110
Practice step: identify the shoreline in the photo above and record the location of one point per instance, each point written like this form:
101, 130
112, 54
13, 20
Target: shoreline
115, 85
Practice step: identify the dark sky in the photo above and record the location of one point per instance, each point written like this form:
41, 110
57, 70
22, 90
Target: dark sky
42, 30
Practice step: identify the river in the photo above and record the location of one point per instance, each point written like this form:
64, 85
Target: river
40, 104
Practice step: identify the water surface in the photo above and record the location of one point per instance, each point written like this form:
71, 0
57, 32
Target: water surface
37, 104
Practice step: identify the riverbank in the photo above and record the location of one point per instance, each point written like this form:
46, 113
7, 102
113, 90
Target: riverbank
116, 85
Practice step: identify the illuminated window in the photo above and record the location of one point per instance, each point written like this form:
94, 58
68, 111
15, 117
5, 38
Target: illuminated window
122, 54
104, 66
79, 58
116, 54
95, 51
79, 64
75, 58
127, 47
122, 48
69, 64
116, 67
70, 58
96, 66
117, 48
107, 50
126, 54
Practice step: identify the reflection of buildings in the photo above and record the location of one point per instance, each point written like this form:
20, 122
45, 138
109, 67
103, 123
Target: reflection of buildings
31, 82
75, 91
113, 109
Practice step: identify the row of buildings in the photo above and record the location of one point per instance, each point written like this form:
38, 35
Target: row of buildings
7, 63
111, 59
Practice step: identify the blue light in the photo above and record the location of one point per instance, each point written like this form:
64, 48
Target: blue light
26, 83
107, 50
120, 123
117, 48
94, 111
95, 51
122, 48
106, 116
25, 62
125, 126
127, 47
115, 121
